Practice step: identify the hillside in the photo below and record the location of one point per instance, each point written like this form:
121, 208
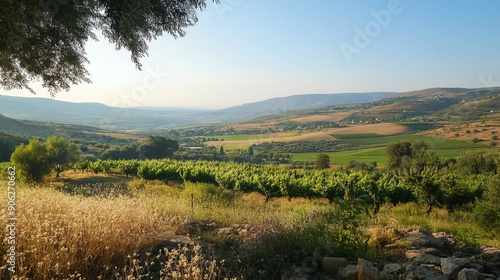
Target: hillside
291, 104
430, 105
154, 118
93, 114
436, 104
68, 131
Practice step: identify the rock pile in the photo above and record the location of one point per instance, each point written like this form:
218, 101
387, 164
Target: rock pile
431, 256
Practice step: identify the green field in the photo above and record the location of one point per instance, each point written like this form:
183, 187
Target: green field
344, 157
376, 144
432, 142
419, 126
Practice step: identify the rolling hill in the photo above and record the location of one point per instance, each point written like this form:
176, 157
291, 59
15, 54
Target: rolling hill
281, 105
435, 104
26, 128
153, 118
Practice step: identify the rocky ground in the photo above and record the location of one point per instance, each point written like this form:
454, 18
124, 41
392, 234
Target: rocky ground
428, 255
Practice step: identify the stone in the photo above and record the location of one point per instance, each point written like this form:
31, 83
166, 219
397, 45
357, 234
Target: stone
435, 252
424, 273
393, 268
485, 276
366, 270
421, 238
427, 259
468, 274
332, 263
452, 266
411, 254
350, 272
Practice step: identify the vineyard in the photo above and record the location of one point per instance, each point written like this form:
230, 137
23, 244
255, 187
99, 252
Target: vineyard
450, 186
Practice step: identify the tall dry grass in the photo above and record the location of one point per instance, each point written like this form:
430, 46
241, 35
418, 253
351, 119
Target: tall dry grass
59, 235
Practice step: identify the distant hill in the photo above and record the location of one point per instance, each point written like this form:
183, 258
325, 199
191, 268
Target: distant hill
94, 114
155, 118
28, 129
280, 105
433, 104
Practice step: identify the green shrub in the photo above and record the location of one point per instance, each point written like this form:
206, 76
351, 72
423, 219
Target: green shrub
486, 212
336, 230
204, 194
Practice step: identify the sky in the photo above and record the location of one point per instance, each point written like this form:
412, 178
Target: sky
244, 51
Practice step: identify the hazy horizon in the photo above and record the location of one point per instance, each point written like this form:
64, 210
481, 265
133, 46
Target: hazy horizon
248, 51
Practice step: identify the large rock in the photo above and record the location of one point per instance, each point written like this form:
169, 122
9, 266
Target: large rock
393, 268
452, 266
367, 271
424, 273
468, 274
421, 238
349, 272
427, 259
392, 271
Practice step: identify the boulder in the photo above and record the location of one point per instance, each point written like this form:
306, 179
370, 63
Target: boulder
468, 274
427, 259
411, 254
424, 273
367, 271
392, 271
421, 238
350, 272
393, 268
452, 266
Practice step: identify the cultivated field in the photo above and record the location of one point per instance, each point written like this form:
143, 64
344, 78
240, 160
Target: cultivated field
335, 117
380, 128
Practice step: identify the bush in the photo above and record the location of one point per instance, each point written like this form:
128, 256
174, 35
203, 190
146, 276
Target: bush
486, 213
336, 231
204, 194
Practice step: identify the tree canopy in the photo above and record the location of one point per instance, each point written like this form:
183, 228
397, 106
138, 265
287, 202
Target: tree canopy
45, 40
60, 153
322, 161
157, 147
36, 160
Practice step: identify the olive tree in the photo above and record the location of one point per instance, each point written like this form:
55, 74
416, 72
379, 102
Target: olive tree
45, 40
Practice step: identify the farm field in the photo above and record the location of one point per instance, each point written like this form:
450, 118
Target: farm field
246, 140
334, 117
344, 157
380, 128
371, 138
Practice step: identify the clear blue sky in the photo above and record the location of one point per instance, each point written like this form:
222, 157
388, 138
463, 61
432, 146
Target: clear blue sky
249, 50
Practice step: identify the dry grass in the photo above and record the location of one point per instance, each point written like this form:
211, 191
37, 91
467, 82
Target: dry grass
62, 236
466, 132
59, 235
